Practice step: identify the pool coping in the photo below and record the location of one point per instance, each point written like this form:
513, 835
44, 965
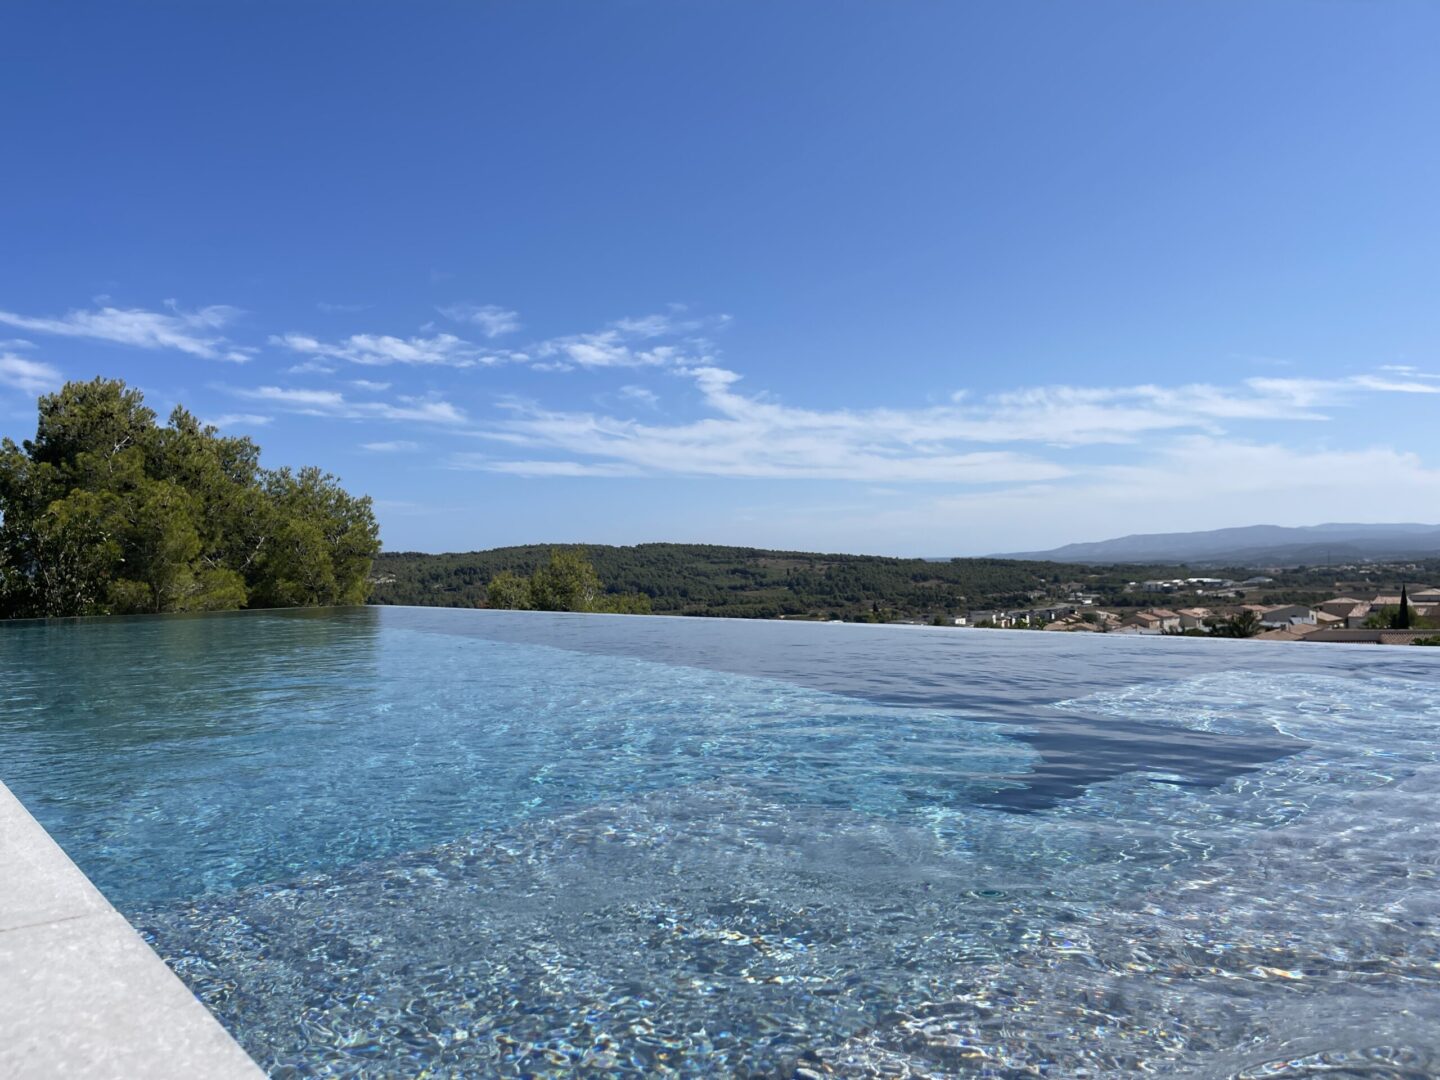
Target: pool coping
82, 995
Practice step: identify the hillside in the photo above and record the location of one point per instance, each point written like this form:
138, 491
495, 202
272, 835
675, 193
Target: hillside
1255, 545
702, 579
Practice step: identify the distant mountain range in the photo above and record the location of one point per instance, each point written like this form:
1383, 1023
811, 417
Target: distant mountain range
1256, 545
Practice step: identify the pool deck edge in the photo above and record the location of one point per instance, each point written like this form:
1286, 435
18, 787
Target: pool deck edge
81, 993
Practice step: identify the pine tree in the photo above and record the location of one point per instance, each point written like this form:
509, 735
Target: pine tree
106, 512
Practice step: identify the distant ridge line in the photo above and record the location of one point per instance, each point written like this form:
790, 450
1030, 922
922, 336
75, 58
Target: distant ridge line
1255, 545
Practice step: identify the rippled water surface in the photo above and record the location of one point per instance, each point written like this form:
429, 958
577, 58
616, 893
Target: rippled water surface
390, 842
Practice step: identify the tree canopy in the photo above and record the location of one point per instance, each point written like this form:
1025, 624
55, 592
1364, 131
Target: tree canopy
565, 582
107, 512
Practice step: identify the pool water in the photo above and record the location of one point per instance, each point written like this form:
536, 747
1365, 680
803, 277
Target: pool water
391, 842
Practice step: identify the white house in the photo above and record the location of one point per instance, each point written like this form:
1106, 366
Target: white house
1287, 615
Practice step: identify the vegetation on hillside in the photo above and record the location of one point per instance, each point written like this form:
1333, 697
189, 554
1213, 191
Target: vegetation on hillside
107, 512
566, 582
703, 579
739, 582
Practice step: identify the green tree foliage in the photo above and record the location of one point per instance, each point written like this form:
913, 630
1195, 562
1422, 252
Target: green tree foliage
624, 604
1382, 619
1390, 617
508, 589
1245, 624
106, 512
567, 581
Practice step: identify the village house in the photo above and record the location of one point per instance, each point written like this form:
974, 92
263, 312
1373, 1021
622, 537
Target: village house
1050, 614
1151, 622
1093, 621
1193, 618
1073, 624
1285, 615
1356, 616
1169, 620
1000, 620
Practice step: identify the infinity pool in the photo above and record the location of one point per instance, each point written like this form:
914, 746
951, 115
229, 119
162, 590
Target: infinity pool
393, 842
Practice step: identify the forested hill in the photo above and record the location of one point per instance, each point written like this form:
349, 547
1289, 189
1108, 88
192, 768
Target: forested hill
703, 579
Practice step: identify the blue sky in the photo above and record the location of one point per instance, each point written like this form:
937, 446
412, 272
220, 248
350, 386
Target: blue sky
902, 278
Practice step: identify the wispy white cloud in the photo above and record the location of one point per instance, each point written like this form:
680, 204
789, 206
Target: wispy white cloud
647, 341
492, 320
1323, 392
1410, 370
485, 463
333, 403
606, 349
197, 332
26, 375
963, 442
311, 367
370, 385
632, 342
754, 439
378, 350
1412, 385
640, 395
396, 446
227, 421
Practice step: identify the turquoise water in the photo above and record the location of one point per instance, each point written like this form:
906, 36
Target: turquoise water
383, 841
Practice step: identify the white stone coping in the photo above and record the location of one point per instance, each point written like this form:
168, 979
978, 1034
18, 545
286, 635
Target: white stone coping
81, 993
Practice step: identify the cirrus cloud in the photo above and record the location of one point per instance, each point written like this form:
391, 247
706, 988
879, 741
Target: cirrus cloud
227, 421
492, 319
379, 350
334, 404
963, 442
26, 375
196, 333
